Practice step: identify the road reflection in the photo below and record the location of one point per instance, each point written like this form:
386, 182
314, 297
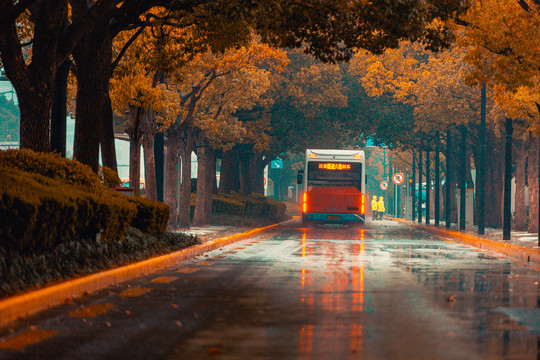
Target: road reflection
340, 290
487, 303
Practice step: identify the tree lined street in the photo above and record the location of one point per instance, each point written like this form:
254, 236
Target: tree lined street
441, 97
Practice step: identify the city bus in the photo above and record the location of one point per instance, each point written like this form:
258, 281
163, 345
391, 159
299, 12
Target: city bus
333, 187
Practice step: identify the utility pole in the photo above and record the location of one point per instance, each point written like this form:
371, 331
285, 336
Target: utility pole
437, 180
390, 203
481, 182
507, 211
413, 187
448, 203
420, 186
428, 186
462, 178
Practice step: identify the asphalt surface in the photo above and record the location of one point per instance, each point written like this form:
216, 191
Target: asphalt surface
383, 292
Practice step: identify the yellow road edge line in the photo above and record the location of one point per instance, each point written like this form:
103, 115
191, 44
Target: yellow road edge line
27, 338
164, 279
134, 292
187, 270
205, 263
23, 305
91, 310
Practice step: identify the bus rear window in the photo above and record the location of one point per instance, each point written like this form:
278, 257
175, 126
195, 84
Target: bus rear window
334, 174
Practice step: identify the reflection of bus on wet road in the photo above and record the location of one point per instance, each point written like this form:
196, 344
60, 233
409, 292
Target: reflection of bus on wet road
333, 184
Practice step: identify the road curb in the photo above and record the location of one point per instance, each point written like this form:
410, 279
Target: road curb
30, 303
515, 251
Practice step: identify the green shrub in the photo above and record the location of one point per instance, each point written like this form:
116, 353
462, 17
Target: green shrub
38, 212
33, 215
51, 165
223, 204
152, 216
115, 214
275, 209
253, 206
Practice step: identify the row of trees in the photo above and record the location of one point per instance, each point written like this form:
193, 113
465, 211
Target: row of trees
190, 48
497, 48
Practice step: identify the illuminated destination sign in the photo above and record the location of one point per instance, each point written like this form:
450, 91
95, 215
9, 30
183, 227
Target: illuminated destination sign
335, 166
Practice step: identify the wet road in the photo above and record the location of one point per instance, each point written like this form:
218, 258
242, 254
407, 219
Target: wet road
383, 292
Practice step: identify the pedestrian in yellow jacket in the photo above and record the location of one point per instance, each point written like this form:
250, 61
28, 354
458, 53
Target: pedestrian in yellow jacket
380, 208
374, 205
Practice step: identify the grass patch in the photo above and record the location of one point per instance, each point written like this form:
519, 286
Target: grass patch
19, 272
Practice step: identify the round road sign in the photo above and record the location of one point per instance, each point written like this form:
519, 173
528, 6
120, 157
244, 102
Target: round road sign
384, 185
398, 178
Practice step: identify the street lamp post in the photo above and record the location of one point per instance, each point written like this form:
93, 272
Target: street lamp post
462, 178
437, 180
428, 186
448, 176
481, 182
420, 186
507, 215
413, 190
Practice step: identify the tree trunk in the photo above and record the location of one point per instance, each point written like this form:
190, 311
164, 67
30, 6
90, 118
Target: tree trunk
34, 122
454, 165
520, 218
135, 138
210, 178
186, 147
494, 180
34, 83
247, 173
204, 186
532, 173
148, 135
171, 159
228, 177
108, 148
92, 57
59, 109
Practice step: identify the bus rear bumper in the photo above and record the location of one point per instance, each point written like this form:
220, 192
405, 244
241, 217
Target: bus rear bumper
334, 218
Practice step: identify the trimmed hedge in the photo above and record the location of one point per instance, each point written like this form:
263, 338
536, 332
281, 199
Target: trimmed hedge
26, 216
37, 213
224, 204
51, 165
253, 206
46, 200
152, 216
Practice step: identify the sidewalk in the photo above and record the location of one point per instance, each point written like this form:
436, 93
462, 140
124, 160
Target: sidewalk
211, 232
522, 245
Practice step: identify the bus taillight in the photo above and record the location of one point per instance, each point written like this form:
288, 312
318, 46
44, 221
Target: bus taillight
304, 203
362, 204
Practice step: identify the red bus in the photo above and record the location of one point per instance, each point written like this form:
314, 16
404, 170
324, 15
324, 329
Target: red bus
333, 186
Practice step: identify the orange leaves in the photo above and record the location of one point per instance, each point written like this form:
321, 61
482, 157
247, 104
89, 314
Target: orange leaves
225, 84
503, 46
434, 84
318, 85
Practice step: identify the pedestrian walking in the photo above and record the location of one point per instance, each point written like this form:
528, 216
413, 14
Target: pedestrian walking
374, 204
380, 208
